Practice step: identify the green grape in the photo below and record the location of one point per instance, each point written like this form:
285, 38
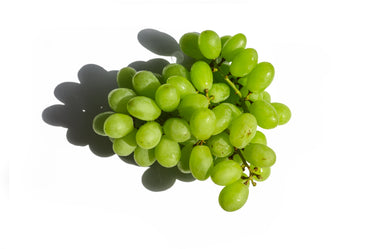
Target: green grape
160, 78
237, 158
202, 123
191, 140
233, 196
191, 103
226, 172
98, 123
124, 77
220, 159
209, 44
118, 99
233, 46
224, 116
265, 114
201, 76
235, 110
167, 97
259, 138
124, 146
167, 152
174, 69
219, 92
144, 157
224, 39
118, 125
260, 174
177, 129
189, 45
244, 62
200, 162
255, 96
220, 145
183, 164
260, 77
283, 112
149, 135
182, 85
247, 104
242, 130
266, 96
143, 108
145, 83
260, 155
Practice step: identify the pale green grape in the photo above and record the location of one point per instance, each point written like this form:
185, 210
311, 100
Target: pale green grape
200, 162
144, 157
174, 69
260, 77
118, 99
259, 138
266, 96
191, 140
238, 159
143, 108
183, 164
233, 196
235, 110
283, 112
201, 76
177, 129
209, 44
145, 83
182, 85
226, 172
244, 62
124, 77
219, 92
220, 159
220, 145
202, 123
98, 123
118, 125
265, 114
167, 152
224, 116
224, 39
189, 45
124, 146
191, 103
149, 135
260, 174
255, 96
167, 97
242, 130
233, 46
260, 155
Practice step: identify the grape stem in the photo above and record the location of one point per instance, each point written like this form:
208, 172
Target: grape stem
226, 77
250, 178
236, 91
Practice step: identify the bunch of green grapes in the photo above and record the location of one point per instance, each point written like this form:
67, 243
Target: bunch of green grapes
203, 120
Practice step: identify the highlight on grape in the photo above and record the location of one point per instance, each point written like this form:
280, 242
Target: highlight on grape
204, 119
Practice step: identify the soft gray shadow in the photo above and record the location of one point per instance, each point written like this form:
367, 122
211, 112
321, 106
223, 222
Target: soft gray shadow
82, 101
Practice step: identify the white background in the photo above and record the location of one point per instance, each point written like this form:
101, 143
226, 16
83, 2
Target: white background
57, 195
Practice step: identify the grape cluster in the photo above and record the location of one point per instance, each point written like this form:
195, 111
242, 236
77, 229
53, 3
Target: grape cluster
203, 120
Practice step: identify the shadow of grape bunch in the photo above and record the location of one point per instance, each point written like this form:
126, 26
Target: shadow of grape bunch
82, 101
